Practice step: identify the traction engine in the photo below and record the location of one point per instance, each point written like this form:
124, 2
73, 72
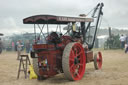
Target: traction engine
56, 50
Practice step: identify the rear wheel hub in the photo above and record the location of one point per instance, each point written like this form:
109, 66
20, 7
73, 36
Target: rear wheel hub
76, 61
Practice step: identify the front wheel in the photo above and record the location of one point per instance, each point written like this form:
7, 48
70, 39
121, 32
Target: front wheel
74, 61
98, 61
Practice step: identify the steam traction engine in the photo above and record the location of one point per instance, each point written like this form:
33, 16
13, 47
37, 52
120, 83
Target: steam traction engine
57, 52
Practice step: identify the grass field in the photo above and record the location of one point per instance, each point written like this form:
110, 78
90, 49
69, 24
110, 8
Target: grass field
113, 72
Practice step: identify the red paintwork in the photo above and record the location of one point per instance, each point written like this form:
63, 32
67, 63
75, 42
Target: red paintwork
53, 56
50, 55
89, 56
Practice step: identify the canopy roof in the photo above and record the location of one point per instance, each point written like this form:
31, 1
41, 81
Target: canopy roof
51, 19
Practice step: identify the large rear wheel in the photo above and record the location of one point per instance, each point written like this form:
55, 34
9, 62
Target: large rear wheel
74, 61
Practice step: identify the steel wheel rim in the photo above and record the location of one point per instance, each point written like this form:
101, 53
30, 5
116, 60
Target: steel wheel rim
77, 61
99, 60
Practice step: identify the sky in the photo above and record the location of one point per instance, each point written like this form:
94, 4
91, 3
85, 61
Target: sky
12, 12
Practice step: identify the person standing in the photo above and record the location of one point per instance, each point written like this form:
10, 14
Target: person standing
1, 46
126, 44
122, 40
27, 46
13, 44
19, 48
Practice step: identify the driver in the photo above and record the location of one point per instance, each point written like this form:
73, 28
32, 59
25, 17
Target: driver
74, 28
75, 33
53, 38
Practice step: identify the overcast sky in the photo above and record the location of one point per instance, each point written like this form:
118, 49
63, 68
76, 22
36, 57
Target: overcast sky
12, 12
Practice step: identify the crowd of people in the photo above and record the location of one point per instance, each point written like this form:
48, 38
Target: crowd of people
19, 46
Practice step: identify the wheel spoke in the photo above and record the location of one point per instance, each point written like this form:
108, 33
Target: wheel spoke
78, 75
99, 64
79, 59
72, 68
75, 50
79, 53
80, 64
74, 54
71, 59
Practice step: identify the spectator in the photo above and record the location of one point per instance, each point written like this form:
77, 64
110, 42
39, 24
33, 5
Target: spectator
19, 48
27, 46
13, 46
126, 44
122, 40
1, 46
